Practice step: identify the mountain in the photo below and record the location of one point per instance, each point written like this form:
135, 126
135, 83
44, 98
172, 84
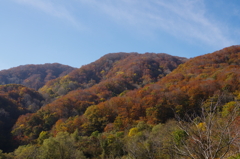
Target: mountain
182, 91
122, 101
136, 69
108, 77
121, 104
33, 76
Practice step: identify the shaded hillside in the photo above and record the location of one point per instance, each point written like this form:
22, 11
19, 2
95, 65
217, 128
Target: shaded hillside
130, 72
33, 76
25, 97
15, 100
136, 69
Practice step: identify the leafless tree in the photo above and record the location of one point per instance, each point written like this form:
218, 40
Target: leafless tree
209, 134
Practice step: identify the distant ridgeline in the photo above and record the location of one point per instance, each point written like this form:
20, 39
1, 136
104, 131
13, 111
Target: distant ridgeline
33, 76
121, 101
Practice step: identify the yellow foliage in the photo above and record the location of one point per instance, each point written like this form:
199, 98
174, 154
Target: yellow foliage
202, 126
120, 72
65, 77
133, 132
227, 108
102, 99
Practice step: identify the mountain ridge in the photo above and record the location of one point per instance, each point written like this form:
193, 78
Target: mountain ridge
108, 66
33, 76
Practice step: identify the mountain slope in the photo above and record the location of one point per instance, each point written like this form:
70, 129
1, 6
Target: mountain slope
33, 76
15, 100
183, 90
115, 74
138, 69
117, 106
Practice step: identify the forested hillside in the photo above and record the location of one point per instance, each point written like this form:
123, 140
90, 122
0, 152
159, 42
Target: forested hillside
15, 100
136, 69
130, 105
33, 76
113, 81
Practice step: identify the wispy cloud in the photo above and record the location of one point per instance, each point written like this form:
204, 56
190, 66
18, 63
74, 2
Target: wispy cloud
185, 19
52, 9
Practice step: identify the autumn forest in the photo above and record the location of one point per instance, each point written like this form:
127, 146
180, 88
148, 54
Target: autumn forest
123, 106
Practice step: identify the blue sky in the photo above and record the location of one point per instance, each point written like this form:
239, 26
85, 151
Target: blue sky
77, 32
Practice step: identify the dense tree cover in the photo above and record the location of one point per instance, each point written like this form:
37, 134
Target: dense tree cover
116, 82
137, 69
138, 106
182, 90
33, 76
214, 133
24, 97
15, 100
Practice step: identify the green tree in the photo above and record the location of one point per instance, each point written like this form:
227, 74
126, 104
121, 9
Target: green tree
62, 147
26, 152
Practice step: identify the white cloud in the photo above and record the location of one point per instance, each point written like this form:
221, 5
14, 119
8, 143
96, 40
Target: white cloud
185, 19
52, 9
